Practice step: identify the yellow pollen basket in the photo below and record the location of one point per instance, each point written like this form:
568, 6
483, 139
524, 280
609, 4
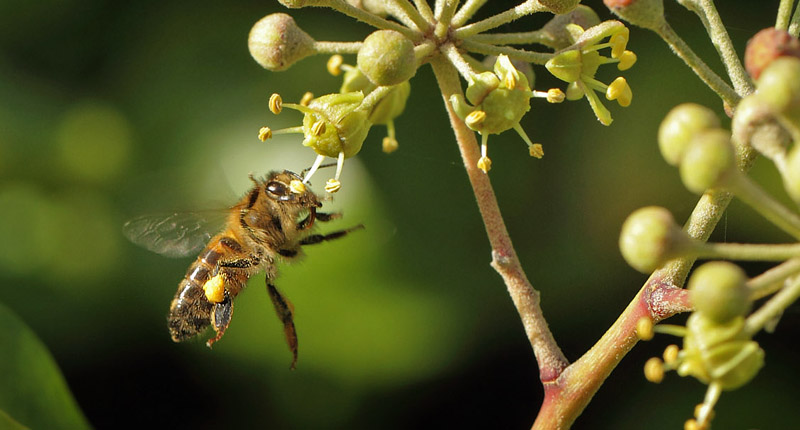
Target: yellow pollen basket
215, 289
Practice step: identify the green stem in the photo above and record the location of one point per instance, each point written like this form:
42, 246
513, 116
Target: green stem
748, 252
424, 9
722, 41
457, 60
700, 68
337, 47
784, 13
374, 97
771, 209
773, 279
527, 8
504, 258
467, 11
406, 13
516, 54
523, 38
345, 8
443, 16
794, 25
772, 308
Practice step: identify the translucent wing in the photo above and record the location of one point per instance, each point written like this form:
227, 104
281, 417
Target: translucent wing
173, 235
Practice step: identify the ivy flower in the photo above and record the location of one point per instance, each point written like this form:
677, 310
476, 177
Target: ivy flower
334, 125
578, 65
499, 99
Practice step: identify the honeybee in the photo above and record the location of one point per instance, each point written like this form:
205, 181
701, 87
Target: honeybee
272, 221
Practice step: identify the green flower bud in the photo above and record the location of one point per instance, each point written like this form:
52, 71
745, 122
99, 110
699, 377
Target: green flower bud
345, 126
779, 86
644, 13
556, 28
707, 161
791, 178
718, 290
559, 6
276, 42
719, 352
650, 237
387, 58
679, 127
392, 105
767, 45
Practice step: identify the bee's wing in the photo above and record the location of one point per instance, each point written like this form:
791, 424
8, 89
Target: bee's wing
174, 235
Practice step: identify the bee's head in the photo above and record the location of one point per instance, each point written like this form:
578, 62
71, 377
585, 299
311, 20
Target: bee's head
288, 187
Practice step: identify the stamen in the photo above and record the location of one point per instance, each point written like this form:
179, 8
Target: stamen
306, 99
318, 128
275, 103
334, 65
264, 133
313, 168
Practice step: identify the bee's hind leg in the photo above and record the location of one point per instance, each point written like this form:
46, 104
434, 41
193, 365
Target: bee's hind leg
221, 318
285, 312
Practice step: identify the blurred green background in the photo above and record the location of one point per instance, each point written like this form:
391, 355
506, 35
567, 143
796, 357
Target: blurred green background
111, 110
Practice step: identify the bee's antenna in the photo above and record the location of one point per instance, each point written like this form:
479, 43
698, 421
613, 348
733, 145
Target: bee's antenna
308, 169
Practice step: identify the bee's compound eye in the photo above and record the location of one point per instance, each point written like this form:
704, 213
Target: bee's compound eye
277, 188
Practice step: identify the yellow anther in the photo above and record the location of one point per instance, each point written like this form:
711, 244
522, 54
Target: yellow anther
306, 99
297, 187
626, 60
389, 144
671, 354
536, 150
620, 91
698, 409
475, 119
654, 370
275, 103
264, 133
318, 128
555, 95
215, 289
510, 81
335, 65
332, 186
485, 164
692, 424
619, 42
644, 328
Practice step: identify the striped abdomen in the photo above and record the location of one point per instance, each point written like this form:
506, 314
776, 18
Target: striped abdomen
190, 311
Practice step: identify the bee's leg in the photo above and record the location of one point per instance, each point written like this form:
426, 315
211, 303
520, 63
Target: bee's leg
221, 318
317, 238
319, 216
241, 263
285, 312
325, 217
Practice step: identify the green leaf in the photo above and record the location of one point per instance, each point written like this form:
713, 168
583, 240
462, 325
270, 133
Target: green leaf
33, 393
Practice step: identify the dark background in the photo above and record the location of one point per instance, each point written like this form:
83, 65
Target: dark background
111, 110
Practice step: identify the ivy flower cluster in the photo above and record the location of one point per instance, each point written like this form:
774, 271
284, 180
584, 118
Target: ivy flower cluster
498, 89
718, 347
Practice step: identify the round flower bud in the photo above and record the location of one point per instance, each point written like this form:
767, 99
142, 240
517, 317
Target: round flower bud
779, 86
276, 42
559, 6
650, 237
556, 28
644, 13
767, 45
387, 58
707, 161
791, 178
679, 126
719, 291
